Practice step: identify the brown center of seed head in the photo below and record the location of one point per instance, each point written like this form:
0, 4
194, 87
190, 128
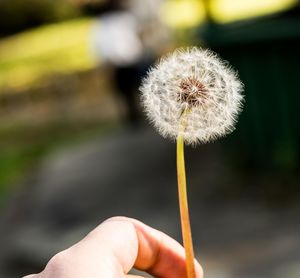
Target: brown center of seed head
192, 92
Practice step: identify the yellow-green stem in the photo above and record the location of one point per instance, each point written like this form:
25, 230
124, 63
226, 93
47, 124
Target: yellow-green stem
184, 210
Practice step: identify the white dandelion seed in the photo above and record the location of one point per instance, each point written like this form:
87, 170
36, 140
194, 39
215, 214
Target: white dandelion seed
194, 93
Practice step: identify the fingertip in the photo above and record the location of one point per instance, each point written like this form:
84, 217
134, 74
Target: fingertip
118, 218
198, 269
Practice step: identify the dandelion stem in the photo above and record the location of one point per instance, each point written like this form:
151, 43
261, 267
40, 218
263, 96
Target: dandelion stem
184, 210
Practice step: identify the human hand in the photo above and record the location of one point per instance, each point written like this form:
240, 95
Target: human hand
114, 247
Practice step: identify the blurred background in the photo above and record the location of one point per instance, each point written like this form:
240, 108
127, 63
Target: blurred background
75, 147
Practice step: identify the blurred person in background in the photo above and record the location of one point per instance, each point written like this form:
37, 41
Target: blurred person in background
128, 36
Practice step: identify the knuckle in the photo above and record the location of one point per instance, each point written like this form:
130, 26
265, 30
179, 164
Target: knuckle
117, 218
200, 272
57, 265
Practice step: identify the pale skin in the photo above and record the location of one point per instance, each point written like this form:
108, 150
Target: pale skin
116, 246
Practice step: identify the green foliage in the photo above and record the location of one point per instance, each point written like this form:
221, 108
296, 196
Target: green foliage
57, 48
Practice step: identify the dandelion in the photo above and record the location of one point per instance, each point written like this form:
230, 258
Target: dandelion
199, 85
191, 96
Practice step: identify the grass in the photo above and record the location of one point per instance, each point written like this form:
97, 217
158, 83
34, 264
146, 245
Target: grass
57, 48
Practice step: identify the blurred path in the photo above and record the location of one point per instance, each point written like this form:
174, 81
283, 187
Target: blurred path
132, 172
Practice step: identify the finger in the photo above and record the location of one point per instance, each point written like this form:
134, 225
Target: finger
158, 254
109, 251
132, 243
117, 245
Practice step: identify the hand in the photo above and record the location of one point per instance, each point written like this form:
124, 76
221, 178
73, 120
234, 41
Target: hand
114, 247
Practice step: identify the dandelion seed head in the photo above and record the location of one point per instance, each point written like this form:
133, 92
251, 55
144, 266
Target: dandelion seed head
192, 92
